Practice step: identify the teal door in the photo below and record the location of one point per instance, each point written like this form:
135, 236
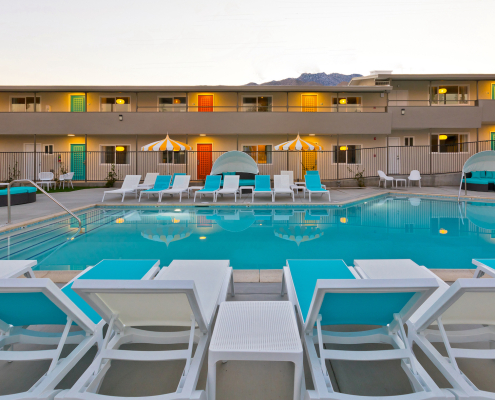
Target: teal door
492, 138
77, 103
78, 161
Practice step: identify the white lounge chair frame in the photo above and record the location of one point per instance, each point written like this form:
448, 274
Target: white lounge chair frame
16, 268
149, 181
384, 178
130, 185
393, 334
200, 331
470, 311
180, 186
281, 185
89, 335
230, 186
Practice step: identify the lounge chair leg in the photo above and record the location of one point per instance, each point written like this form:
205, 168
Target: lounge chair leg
123, 197
103, 199
194, 201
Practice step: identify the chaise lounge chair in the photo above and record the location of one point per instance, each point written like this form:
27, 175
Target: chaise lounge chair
130, 185
179, 186
26, 302
149, 181
281, 185
162, 183
212, 185
262, 185
184, 294
327, 292
230, 186
313, 185
470, 303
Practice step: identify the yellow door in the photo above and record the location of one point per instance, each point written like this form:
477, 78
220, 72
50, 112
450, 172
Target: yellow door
309, 161
309, 103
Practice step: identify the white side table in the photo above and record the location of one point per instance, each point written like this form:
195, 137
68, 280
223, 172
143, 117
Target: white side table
246, 188
255, 331
16, 268
403, 184
191, 188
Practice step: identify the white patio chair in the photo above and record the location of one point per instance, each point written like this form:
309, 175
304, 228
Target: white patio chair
45, 179
414, 176
281, 185
130, 185
230, 186
149, 181
180, 185
293, 186
471, 304
327, 292
384, 178
66, 178
184, 294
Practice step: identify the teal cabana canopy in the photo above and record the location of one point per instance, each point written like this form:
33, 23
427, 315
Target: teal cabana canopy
234, 161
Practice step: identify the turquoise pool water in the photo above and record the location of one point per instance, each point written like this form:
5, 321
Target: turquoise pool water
437, 234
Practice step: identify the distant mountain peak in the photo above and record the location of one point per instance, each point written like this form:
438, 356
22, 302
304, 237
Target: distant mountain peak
307, 79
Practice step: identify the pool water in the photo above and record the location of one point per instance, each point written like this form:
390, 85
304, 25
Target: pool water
434, 233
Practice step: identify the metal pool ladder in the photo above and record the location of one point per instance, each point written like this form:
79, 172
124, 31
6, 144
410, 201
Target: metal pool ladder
9, 215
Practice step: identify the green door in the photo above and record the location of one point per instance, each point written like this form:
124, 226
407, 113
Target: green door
78, 161
77, 103
493, 91
493, 140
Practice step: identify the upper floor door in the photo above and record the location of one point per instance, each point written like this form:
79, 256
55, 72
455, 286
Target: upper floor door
205, 103
77, 103
309, 103
204, 159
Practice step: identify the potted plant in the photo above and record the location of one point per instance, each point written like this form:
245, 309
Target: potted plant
111, 177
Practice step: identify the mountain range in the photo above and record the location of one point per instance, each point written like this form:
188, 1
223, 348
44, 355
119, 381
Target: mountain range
306, 79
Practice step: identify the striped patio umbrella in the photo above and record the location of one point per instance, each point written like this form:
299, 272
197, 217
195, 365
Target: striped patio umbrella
167, 234
166, 144
297, 144
298, 233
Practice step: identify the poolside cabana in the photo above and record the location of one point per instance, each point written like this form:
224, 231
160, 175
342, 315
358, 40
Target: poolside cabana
483, 161
234, 161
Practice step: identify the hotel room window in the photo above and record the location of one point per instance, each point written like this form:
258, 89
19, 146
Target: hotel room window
115, 104
257, 104
24, 104
171, 104
48, 148
347, 104
118, 154
347, 154
262, 154
174, 157
450, 95
449, 143
408, 141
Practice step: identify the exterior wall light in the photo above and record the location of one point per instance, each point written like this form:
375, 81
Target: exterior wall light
403, 111
120, 148
120, 101
202, 134
121, 117
343, 101
443, 231
442, 90
311, 134
343, 148
71, 134
443, 137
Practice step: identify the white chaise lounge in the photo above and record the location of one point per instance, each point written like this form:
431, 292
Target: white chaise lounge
130, 185
281, 185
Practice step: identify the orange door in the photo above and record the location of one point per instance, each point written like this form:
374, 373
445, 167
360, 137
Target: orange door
204, 160
309, 103
205, 103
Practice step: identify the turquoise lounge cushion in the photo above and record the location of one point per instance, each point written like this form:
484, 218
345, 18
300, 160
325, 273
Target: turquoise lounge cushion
313, 183
478, 181
162, 182
476, 174
246, 182
109, 269
212, 183
262, 183
18, 190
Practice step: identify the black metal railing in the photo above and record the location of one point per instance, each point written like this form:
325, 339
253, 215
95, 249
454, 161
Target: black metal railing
339, 164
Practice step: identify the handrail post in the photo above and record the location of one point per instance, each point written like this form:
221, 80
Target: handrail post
9, 216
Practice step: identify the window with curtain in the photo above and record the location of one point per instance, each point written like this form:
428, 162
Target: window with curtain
449, 95
350, 155
172, 104
115, 104
24, 104
257, 104
174, 157
118, 154
451, 143
262, 153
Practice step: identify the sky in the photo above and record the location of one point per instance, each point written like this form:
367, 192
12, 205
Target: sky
228, 42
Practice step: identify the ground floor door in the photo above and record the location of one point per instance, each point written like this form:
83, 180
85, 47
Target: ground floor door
77, 103
204, 160
492, 138
393, 155
309, 161
309, 103
205, 103
28, 172
78, 161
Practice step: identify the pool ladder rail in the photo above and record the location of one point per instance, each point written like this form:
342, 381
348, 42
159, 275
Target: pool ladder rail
9, 214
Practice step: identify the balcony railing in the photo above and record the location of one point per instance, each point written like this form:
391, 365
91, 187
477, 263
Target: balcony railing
95, 165
431, 102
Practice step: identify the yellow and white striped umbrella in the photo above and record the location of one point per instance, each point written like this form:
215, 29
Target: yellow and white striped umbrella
166, 144
167, 234
297, 144
298, 234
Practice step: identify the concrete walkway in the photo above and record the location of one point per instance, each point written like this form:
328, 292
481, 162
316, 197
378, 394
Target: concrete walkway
44, 207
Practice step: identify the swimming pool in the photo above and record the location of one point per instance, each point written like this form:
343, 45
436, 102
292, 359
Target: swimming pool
434, 233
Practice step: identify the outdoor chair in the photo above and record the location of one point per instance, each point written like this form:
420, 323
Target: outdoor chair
180, 186
384, 178
281, 185
212, 185
149, 181
262, 186
414, 176
46, 179
328, 293
162, 182
130, 185
313, 185
230, 186
66, 178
